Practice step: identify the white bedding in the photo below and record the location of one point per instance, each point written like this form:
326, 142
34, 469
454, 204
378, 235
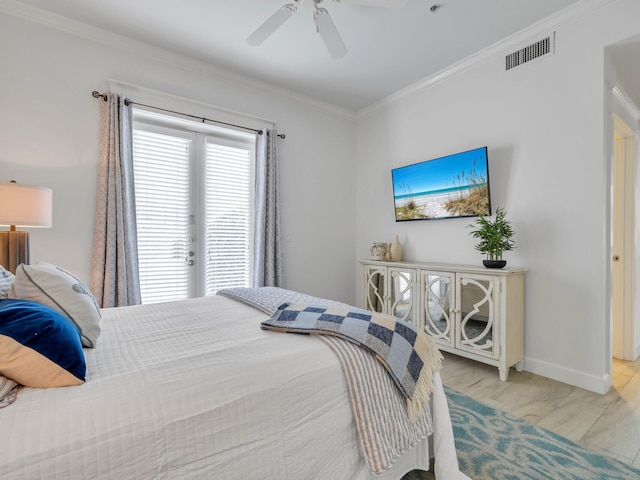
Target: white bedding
196, 389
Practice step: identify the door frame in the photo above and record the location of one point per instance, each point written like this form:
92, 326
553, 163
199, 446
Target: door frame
623, 240
625, 122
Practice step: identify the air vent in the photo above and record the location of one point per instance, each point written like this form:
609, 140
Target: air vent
535, 50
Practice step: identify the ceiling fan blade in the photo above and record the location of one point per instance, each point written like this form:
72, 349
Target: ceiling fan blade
375, 3
329, 33
274, 22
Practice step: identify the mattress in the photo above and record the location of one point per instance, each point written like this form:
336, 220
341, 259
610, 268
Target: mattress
196, 390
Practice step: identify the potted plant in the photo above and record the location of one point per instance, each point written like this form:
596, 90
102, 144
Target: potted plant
495, 237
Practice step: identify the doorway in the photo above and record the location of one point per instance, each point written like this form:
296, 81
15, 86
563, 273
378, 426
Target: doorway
623, 328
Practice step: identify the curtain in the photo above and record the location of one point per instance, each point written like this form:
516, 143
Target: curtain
114, 274
267, 262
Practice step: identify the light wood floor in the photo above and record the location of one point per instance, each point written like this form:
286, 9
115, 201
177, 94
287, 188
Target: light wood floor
607, 423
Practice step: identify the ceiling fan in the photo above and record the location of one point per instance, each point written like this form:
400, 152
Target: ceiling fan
324, 24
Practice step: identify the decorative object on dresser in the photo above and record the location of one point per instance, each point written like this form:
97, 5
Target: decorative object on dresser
395, 250
379, 251
495, 238
22, 206
467, 310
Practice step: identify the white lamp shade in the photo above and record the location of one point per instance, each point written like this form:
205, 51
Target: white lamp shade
25, 205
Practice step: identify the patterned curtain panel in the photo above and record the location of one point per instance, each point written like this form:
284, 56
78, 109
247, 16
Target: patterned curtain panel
114, 276
267, 262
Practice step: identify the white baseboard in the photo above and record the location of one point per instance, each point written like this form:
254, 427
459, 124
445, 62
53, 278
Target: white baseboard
576, 378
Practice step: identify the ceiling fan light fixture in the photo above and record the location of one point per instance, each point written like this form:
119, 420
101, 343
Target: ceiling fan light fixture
274, 22
329, 33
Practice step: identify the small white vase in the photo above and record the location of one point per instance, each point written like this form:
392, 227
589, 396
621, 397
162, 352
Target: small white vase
396, 250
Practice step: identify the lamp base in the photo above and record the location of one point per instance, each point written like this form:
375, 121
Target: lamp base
14, 249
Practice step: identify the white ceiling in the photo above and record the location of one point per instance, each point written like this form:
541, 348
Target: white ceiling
389, 48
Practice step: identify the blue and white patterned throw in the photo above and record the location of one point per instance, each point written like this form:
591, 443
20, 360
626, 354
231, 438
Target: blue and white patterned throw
408, 355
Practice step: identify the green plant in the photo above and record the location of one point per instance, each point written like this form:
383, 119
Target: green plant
495, 237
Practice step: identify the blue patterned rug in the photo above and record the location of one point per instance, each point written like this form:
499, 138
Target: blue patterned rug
493, 445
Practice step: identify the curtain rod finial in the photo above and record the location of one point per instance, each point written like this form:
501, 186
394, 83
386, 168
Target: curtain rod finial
97, 94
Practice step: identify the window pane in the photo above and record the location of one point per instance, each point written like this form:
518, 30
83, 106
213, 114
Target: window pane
228, 217
161, 164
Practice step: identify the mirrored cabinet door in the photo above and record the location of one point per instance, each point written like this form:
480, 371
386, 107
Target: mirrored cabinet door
437, 291
390, 290
401, 293
477, 310
374, 278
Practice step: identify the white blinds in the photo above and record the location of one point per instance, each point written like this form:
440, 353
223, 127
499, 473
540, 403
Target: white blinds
161, 166
194, 194
228, 216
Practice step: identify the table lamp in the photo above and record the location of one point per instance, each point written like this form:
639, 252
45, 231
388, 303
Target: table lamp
21, 206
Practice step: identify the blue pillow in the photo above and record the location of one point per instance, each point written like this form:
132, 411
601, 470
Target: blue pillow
39, 347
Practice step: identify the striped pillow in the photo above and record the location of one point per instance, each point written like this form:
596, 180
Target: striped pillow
6, 280
8, 391
61, 290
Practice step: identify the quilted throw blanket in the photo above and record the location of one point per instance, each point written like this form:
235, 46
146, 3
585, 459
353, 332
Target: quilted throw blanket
389, 390
408, 356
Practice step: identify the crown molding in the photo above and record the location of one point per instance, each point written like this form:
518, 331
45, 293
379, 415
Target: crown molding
175, 59
517, 40
626, 102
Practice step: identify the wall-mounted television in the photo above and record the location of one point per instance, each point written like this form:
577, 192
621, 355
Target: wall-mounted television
447, 187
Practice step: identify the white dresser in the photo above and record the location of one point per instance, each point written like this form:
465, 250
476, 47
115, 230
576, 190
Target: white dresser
467, 310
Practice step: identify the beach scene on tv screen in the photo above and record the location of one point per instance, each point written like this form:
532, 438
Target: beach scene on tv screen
453, 186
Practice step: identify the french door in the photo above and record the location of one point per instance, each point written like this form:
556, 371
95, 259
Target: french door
194, 210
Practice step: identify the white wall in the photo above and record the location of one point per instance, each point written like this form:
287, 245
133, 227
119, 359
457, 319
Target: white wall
49, 136
544, 124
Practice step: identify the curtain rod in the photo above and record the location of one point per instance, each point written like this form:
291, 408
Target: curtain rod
96, 94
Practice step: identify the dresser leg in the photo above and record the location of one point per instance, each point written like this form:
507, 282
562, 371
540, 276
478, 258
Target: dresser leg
519, 366
504, 373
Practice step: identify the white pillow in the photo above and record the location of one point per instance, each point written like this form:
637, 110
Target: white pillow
6, 280
55, 287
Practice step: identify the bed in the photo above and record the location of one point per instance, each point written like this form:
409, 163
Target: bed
197, 390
